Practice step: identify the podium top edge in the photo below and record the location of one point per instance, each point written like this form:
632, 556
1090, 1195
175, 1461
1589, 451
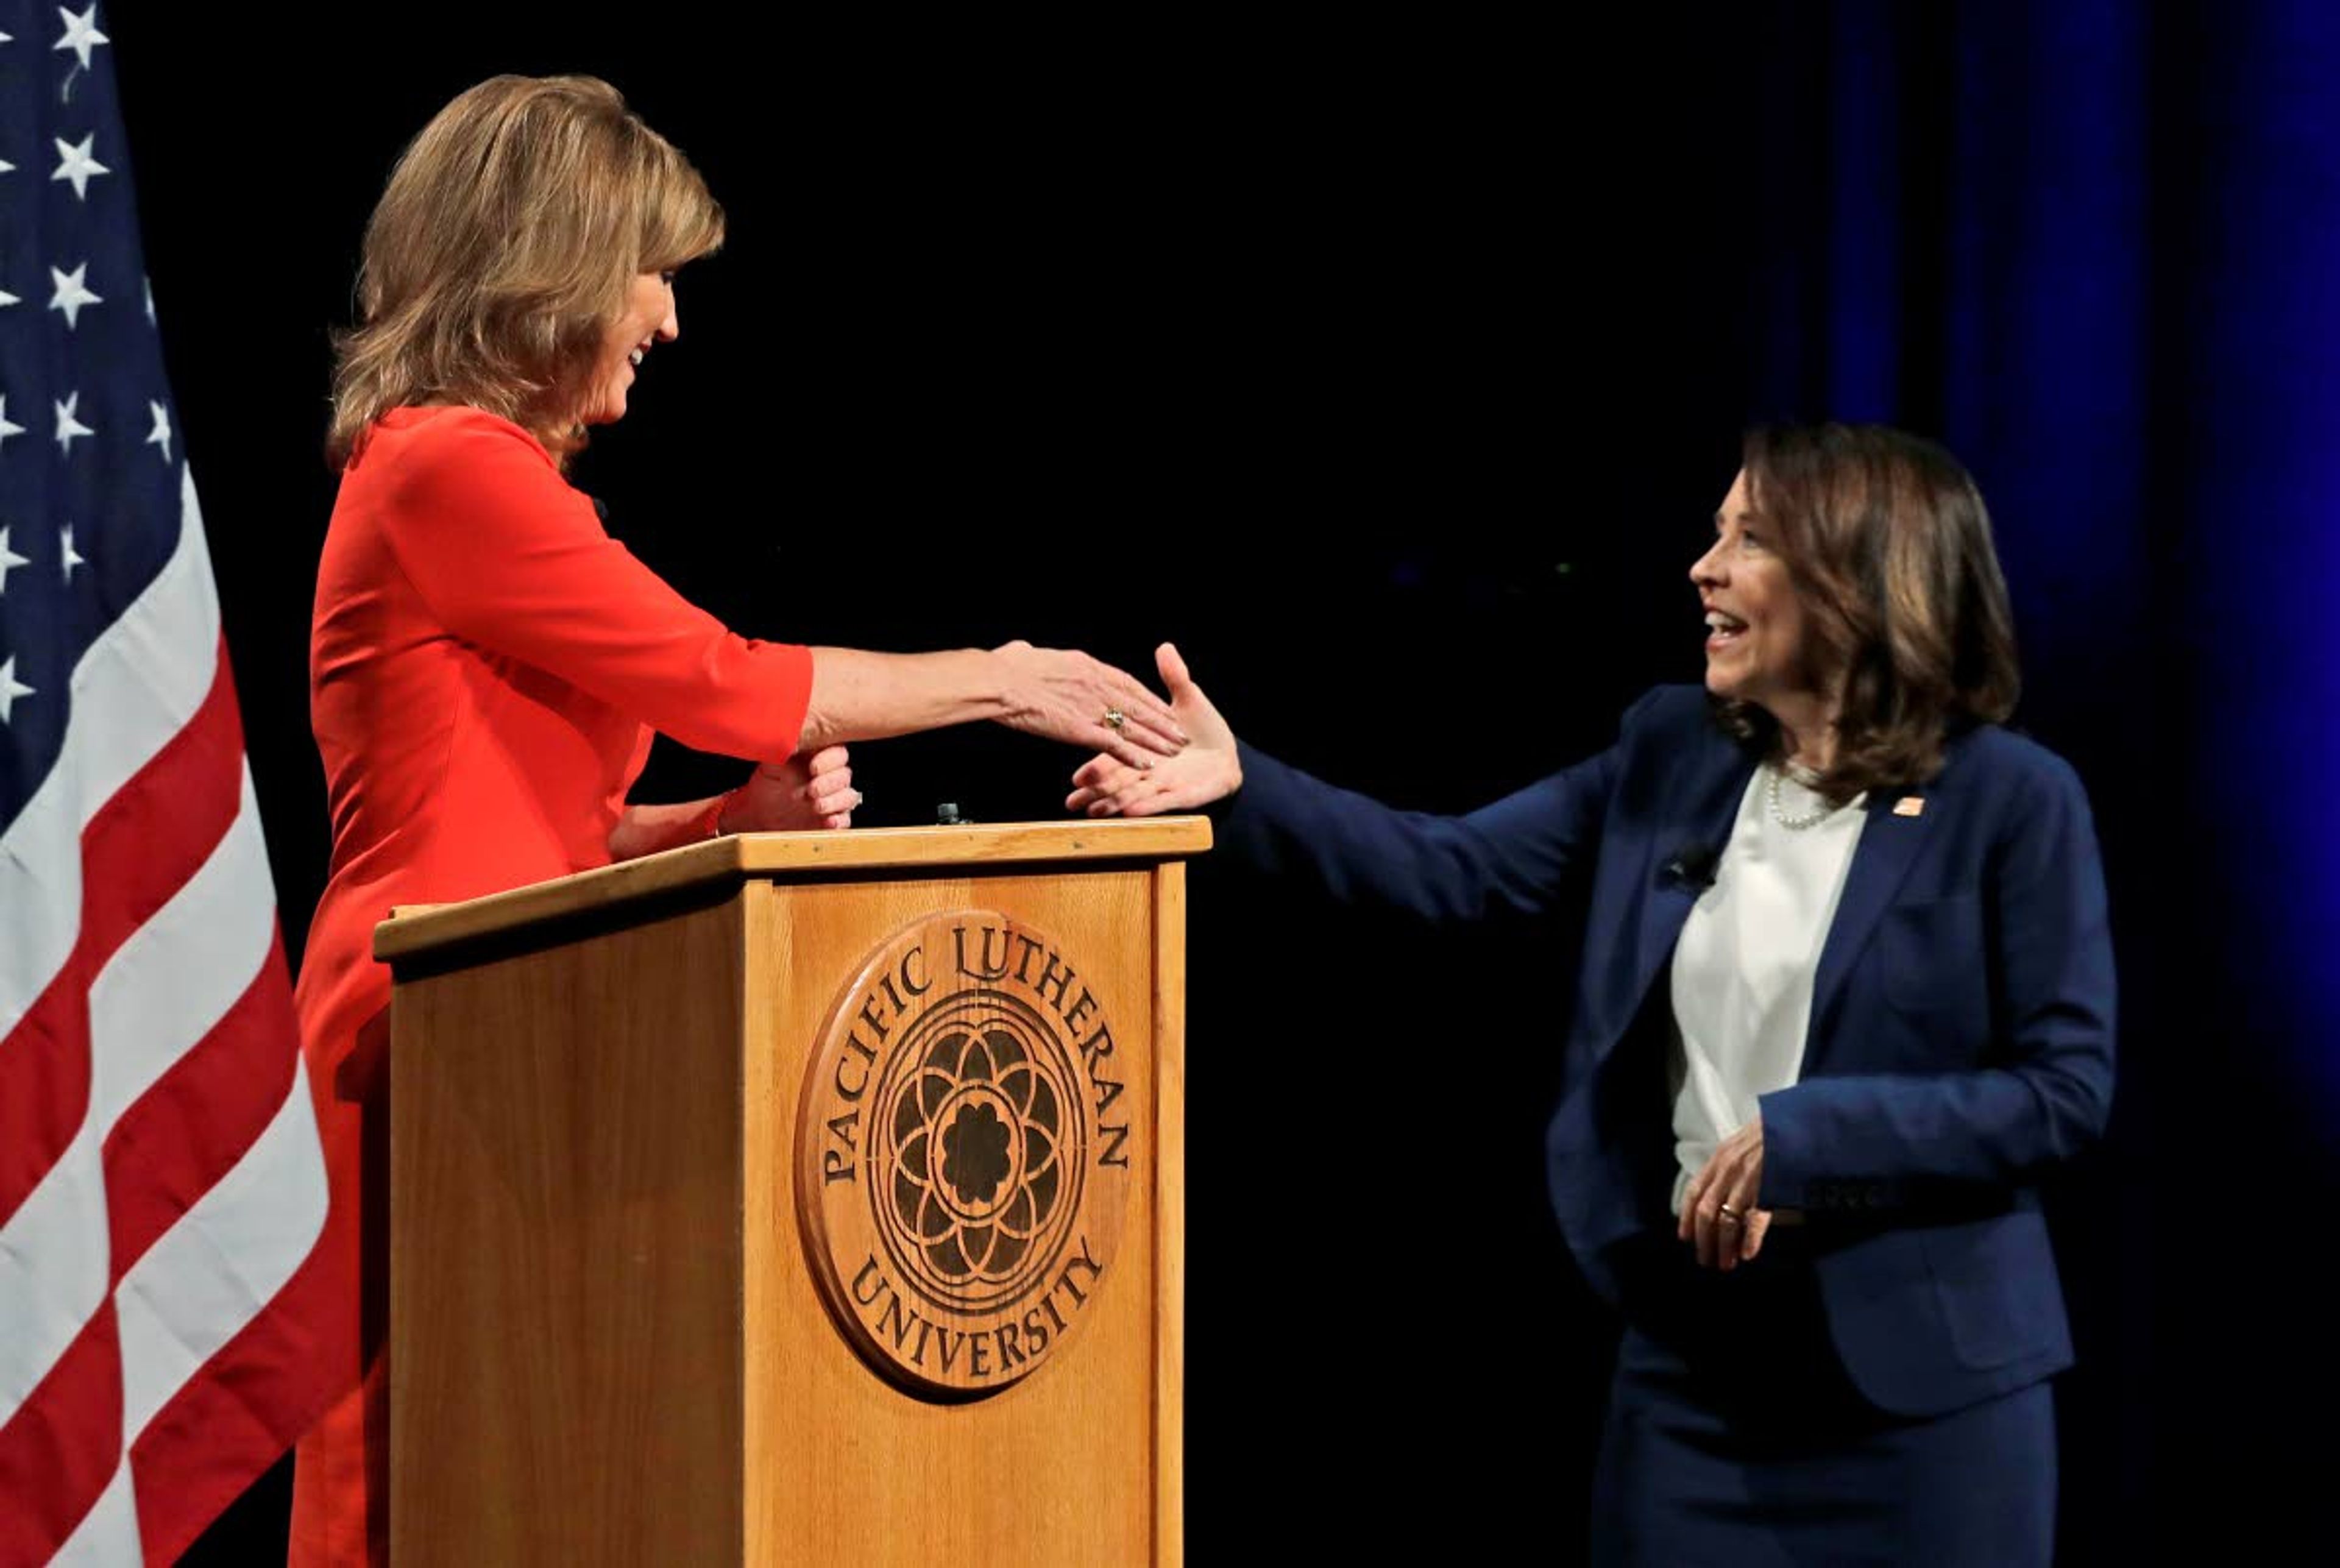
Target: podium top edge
416, 929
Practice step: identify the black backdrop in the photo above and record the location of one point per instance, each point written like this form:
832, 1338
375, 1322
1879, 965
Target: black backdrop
1394, 373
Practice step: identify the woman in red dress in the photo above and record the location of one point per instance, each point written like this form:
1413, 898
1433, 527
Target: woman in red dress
488, 665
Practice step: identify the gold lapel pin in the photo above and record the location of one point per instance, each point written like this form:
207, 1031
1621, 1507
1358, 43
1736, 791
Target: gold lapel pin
1909, 806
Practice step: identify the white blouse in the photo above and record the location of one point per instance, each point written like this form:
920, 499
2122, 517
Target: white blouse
1742, 971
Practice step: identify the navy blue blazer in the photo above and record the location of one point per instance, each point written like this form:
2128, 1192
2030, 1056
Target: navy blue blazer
1962, 1036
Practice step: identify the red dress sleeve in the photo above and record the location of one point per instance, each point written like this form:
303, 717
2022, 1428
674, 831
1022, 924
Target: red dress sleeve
511, 559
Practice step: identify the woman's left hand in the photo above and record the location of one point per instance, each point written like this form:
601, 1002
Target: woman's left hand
1718, 1214
803, 792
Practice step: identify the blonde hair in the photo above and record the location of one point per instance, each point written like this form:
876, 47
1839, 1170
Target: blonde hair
503, 248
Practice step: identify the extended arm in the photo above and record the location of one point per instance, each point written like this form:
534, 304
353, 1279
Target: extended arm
1517, 854
513, 560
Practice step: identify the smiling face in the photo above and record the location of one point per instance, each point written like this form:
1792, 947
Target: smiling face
645, 320
1757, 646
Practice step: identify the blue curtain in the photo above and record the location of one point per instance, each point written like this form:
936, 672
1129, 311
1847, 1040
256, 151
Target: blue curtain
2094, 247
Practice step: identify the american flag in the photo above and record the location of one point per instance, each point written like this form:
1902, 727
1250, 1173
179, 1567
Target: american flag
164, 1305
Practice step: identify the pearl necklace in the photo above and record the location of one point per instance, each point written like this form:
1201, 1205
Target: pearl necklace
1797, 824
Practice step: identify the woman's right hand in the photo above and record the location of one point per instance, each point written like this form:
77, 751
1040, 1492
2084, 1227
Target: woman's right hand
807, 792
1065, 695
1208, 770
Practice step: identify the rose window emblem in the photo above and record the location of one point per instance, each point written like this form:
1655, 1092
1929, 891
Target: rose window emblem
977, 1172
980, 1152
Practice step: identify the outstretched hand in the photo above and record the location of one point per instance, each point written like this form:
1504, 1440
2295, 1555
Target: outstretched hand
1208, 769
811, 791
1065, 695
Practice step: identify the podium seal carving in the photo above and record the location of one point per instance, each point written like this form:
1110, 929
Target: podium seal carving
964, 1153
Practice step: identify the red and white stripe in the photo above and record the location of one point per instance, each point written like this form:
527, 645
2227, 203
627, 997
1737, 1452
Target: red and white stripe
163, 1295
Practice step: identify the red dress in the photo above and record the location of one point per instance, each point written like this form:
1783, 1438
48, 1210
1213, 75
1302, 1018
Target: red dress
486, 669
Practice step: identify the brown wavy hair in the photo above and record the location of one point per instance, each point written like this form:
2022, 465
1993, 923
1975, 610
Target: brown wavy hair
1888, 544
501, 250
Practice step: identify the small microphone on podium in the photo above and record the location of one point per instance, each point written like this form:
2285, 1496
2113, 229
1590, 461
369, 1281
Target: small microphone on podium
1693, 867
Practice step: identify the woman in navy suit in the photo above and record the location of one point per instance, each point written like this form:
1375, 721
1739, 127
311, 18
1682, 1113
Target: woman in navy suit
1846, 996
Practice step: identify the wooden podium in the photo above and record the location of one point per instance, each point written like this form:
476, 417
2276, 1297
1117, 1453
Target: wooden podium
796, 1198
